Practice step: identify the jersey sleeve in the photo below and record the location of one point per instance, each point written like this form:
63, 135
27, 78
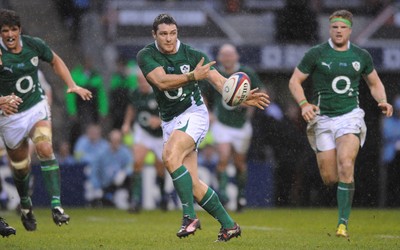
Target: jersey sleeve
43, 49
307, 64
198, 55
146, 61
369, 65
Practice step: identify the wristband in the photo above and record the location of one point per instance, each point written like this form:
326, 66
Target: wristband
302, 102
190, 76
383, 100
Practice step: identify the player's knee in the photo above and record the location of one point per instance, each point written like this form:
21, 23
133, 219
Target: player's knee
19, 165
329, 180
170, 159
42, 139
44, 151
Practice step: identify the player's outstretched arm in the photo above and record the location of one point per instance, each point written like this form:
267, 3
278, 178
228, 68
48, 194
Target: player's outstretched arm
62, 70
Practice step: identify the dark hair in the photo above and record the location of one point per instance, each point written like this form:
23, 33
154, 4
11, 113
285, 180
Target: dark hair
9, 18
345, 14
163, 18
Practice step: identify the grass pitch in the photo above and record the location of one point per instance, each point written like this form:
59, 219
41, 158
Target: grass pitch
261, 229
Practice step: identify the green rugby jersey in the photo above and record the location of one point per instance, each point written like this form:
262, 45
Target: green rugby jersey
173, 102
336, 76
234, 116
20, 72
145, 105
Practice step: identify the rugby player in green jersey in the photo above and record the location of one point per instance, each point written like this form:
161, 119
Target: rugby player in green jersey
147, 135
336, 127
19, 61
231, 128
175, 70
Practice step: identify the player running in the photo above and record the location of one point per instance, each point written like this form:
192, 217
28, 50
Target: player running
336, 127
174, 70
19, 61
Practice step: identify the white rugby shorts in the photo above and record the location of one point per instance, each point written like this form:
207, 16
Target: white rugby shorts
194, 122
323, 131
151, 142
239, 138
15, 128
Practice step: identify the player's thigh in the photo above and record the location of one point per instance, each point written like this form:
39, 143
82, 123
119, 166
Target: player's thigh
20, 153
327, 166
176, 149
347, 149
139, 154
239, 160
224, 152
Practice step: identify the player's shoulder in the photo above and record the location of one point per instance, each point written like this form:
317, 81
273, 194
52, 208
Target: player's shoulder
148, 49
31, 40
357, 49
319, 48
247, 69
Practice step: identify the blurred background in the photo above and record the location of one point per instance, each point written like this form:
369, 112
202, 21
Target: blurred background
100, 39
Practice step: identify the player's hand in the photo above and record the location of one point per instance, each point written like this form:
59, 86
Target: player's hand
154, 122
85, 94
9, 104
309, 111
257, 99
386, 108
201, 71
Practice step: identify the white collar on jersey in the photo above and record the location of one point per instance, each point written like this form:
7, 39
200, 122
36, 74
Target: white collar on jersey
178, 44
331, 44
5, 47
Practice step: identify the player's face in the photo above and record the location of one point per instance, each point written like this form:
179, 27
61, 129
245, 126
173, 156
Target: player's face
10, 36
340, 34
166, 38
228, 57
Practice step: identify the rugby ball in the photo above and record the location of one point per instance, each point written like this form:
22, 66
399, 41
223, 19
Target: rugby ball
236, 89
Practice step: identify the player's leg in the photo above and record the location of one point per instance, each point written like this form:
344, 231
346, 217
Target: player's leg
160, 180
224, 155
347, 150
241, 145
5, 229
156, 147
20, 165
328, 167
176, 148
241, 179
139, 155
41, 135
207, 198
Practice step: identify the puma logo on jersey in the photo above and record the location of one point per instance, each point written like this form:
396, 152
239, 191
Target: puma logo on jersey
8, 69
327, 65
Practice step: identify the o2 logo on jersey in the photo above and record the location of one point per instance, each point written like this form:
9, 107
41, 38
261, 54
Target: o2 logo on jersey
343, 90
24, 89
